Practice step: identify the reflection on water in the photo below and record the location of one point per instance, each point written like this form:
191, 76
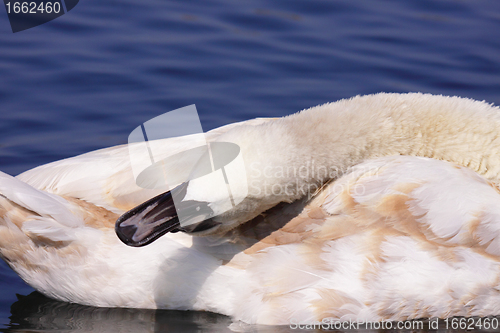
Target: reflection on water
36, 312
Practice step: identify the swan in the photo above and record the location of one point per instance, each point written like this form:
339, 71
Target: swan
406, 225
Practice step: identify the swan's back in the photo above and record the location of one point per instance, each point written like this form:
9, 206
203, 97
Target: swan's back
397, 238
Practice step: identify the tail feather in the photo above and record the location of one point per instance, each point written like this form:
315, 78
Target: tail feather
41, 203
30, 214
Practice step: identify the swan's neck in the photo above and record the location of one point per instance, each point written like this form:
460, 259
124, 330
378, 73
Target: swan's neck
291, 157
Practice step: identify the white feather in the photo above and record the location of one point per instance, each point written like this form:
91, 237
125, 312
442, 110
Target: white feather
389, 237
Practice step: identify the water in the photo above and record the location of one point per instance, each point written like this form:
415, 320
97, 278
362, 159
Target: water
85, 80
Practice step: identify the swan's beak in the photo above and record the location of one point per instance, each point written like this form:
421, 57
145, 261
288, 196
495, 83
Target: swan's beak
152, 219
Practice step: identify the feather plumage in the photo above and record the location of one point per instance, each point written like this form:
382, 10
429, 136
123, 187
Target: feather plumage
391, 238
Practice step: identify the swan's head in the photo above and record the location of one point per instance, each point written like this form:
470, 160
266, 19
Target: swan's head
214, 200
227, 187
197, 207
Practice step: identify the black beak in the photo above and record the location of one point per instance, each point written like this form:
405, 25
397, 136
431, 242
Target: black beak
152, 219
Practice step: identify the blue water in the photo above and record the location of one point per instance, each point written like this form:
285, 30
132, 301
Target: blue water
85, 80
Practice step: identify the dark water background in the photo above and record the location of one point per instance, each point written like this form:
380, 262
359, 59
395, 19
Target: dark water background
85, 80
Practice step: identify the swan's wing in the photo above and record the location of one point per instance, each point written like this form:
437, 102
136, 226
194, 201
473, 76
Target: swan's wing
67, 249
396, 238
105, 177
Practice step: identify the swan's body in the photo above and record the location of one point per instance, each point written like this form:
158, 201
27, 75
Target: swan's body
394, 237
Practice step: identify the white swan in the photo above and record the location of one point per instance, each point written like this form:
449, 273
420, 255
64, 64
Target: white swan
392, 238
